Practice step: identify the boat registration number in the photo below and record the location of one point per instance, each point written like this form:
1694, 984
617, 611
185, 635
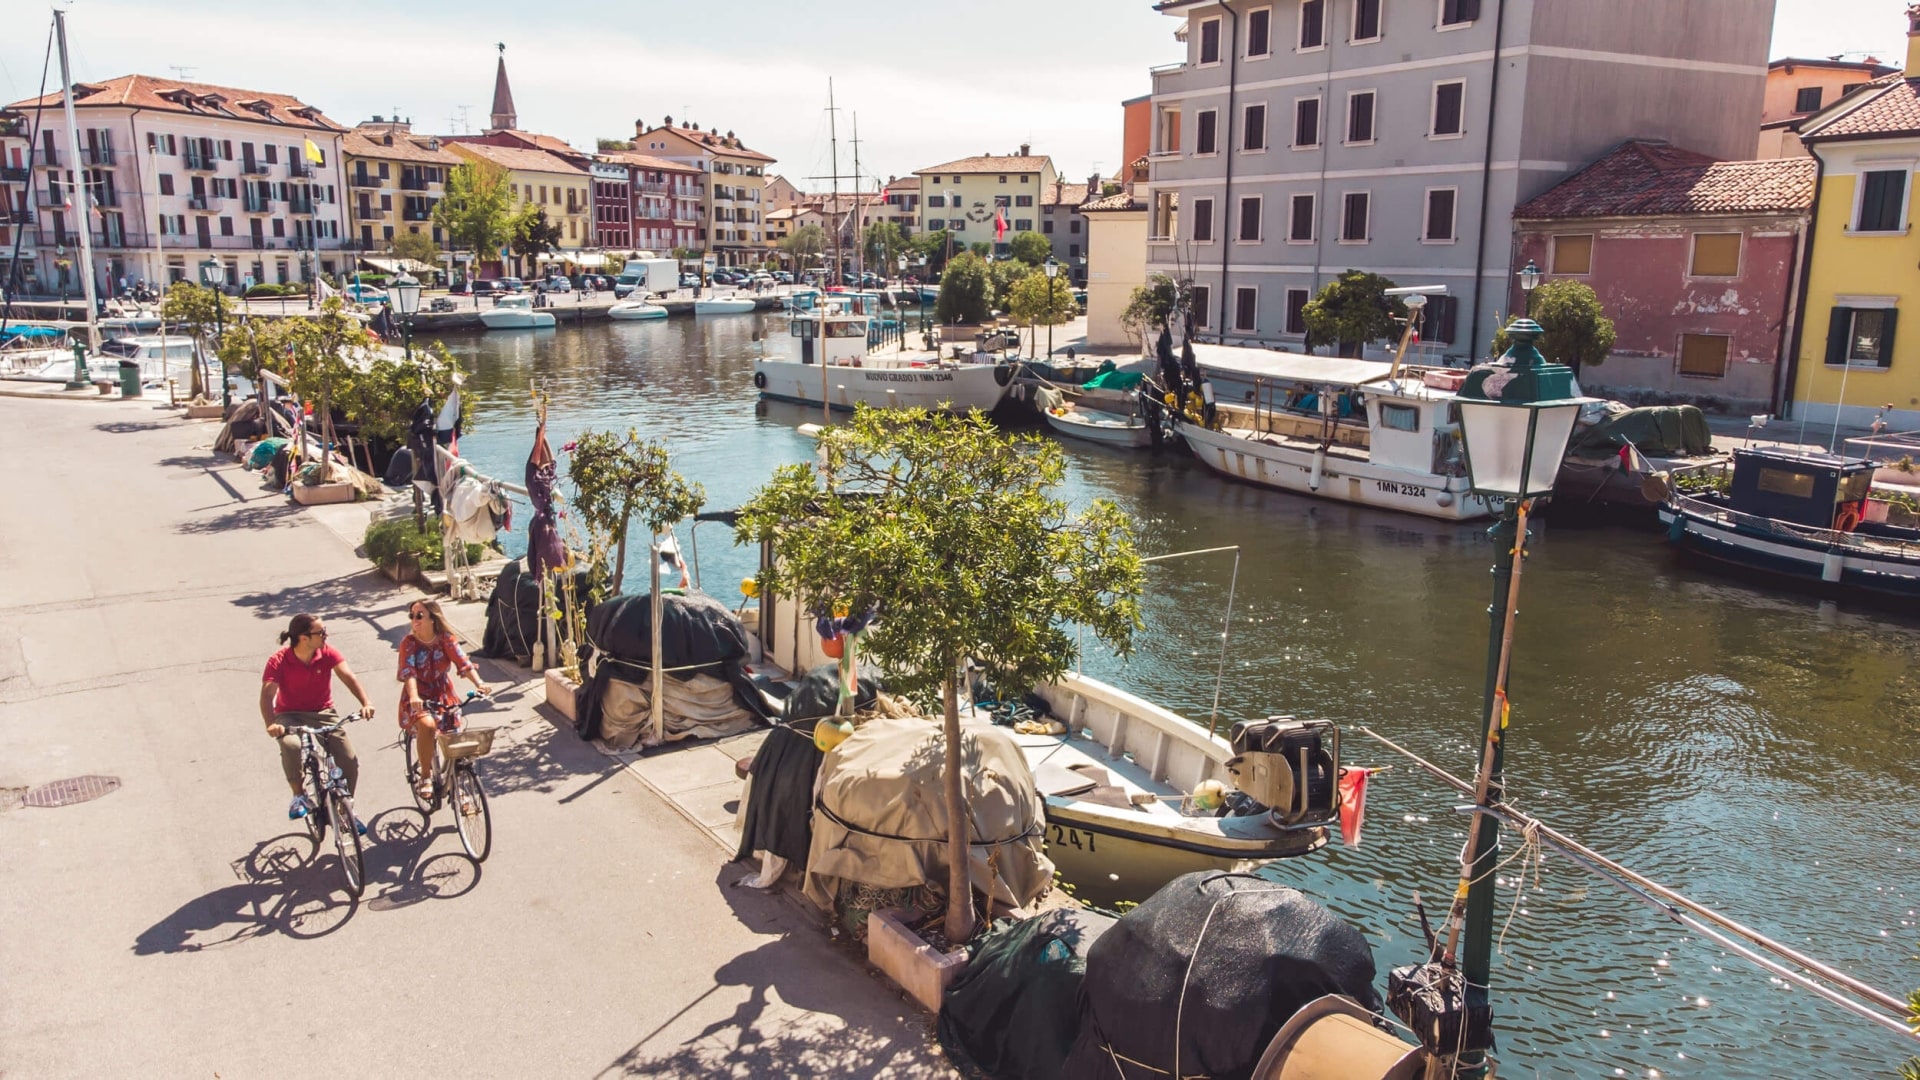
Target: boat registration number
1065, 837
1413, 491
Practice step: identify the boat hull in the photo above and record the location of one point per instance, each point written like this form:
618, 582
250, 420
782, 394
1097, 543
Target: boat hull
1803, 561
517, 320
722, 307
636, 312
956, 389
1129, 432
1340, 478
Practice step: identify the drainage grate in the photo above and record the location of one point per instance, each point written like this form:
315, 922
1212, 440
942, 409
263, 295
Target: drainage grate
74, 789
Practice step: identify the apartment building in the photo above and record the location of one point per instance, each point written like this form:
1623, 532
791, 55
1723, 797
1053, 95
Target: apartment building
174, 173
1299, 139
612, 204
668, 201
967, 196
17, 265
394, 180
551, 182
735, 205
1065, 227
1798, 87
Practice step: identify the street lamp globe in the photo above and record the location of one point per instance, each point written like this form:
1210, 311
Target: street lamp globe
1529, 277
404, 293
1516, 416
1052, 268
213, 274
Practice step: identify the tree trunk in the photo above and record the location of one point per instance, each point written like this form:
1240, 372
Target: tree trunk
959, 926
619, 561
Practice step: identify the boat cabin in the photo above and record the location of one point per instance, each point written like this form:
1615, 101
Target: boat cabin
1821, 491
834, 331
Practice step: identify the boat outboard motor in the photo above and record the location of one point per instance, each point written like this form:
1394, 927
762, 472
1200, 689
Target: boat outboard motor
1291, 766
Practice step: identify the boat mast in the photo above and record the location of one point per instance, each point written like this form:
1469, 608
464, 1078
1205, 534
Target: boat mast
81, 207
833, 215
859, 248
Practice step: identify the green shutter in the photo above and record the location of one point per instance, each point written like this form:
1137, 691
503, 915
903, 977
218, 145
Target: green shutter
1839, 326
1886, 337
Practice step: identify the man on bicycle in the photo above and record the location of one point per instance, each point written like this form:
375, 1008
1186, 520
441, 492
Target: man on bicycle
297, 691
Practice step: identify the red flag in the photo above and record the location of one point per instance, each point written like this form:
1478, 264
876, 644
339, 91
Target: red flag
1353, 804
999, 224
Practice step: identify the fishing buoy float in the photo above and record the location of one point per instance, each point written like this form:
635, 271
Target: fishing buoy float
828, 734
1209, 795
749, 588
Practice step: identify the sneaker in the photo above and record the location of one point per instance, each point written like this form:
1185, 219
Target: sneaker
359, 826
302, 806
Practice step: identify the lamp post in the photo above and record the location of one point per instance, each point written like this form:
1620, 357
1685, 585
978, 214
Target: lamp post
213, 274
1516, 416
1053, 271
1529, 281
404, 295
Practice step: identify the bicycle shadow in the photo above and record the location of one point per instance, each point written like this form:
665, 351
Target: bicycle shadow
405, 863
287, 887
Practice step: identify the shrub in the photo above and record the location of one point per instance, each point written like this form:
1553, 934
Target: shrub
387, 541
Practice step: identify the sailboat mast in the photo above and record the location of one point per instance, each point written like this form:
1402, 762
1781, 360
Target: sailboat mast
859, 247
833, 215
81, 209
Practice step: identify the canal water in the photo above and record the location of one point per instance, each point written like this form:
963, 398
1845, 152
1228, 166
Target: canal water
1756, 751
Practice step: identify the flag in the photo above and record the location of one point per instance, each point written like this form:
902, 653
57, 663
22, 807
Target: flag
314, 155
1353, 804
999, 224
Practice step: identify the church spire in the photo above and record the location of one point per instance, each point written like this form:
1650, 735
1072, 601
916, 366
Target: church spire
503, 114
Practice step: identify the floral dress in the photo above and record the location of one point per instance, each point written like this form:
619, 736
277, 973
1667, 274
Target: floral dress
432, 667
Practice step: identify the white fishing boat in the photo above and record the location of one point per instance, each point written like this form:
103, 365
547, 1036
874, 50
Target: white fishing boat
159, 358
839, 366
1094, 425
1357, 431
635, 310
515, 312
724, 305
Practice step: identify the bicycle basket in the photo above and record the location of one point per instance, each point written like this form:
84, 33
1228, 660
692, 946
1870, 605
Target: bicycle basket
472, 742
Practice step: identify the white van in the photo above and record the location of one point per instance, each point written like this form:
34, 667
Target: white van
647, 276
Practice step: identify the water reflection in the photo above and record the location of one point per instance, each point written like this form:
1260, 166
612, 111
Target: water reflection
1755, 751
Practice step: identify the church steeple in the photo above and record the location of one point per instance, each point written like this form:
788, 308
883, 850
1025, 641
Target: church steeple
503, 114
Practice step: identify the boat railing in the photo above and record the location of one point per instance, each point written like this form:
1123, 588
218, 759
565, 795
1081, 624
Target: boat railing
1861, 542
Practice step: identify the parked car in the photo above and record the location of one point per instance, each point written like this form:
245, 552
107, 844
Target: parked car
512, 285
361, 293
688, 281
871, 280
783, 277
760, 277
556, 284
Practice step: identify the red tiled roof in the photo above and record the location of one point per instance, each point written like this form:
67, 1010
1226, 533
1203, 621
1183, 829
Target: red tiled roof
1058, 194
645, 161
512, 157
403, 148
992, 163
1120, 200
191, 99
1647, 179
1889, 106
712, 141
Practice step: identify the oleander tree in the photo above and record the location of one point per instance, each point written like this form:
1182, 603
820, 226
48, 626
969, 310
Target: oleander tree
966, 291
892, 525
1353, 310
617, 478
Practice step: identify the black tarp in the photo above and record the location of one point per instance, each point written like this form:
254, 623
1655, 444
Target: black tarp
1233, 956
779, 815
695, 629
1654, 430
1014, 1012
513, 614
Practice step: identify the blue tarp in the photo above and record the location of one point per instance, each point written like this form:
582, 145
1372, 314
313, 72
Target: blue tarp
30, 332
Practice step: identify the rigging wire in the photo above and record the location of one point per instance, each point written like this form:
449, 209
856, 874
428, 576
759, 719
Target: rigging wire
20, 229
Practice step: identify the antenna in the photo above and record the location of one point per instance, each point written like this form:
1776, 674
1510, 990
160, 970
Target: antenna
459, 119
183, 72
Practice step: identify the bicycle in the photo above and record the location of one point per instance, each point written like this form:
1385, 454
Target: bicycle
326, 790
456, 780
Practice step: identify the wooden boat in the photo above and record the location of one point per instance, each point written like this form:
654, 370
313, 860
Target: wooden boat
839, 366
1092, 425
515, 312
723, 305
634, 310
1799, 516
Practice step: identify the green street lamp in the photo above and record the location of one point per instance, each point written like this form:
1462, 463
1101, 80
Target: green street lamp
1529, 281
213, 274
1516, 417
1053, 271
404, 294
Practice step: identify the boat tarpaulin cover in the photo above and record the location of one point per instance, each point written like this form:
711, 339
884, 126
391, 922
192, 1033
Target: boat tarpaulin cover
695, 629
513, 612
1114, 380
1654, 430
882, 816
1227, 958
779, 815
1013, 1013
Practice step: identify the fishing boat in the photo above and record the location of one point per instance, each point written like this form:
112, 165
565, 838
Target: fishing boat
1359, 431
839, 365
1798, 516
27, 347
159, 358
635, 310
1093, 425
929, 294
734, 304
515, 312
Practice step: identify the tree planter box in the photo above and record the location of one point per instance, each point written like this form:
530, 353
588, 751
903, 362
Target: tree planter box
562, 693
206, 412
405, 569
339, 491
909, 961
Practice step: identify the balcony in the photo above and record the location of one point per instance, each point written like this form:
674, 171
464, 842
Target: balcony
364, 180
198, 162
47, 158
253, 168
723, 193
16, 216
46, 200
299, 168
413, 183
300, 206
414, 215
255, 204
97, 155
106, 199
14, 174
204, 201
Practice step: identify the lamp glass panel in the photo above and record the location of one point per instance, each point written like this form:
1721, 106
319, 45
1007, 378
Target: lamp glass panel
1550, 436
1496, 444
405, 295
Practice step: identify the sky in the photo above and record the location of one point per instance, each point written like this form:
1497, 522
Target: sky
926, 83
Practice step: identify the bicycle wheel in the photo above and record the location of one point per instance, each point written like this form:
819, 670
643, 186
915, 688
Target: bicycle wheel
413, 772
470, 814
346, 842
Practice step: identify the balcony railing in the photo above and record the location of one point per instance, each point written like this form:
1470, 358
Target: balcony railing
46, 200
412, 183
198, 162
97, 155
108, 199
47, 158
254, 204
204, 202
414, 215
253, 168
364, 180
299, 168
14, 174
300, 206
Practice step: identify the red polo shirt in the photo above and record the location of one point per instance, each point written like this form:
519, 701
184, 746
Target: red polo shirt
304, 687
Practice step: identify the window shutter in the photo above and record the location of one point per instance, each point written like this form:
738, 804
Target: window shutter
1839, 326
1886, 337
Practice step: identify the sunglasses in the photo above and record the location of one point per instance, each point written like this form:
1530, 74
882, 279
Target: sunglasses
418, 616
321, 634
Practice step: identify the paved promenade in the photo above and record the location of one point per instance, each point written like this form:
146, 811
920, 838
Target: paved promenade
175, 926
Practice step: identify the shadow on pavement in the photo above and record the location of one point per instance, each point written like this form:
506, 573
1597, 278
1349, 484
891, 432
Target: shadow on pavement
129, 427
255, 515
286, 888
362, 596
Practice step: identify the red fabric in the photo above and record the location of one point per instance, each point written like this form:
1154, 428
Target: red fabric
432, 667
304, 687
1353, 805
999, 225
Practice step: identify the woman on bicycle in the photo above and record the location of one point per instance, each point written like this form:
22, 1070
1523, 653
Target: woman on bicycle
296, 690
429, 657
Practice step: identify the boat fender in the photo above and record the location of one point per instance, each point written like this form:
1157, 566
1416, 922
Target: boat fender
1445, 498
1831, 566
1319, 469
759, 380
1677, 529
1003, 374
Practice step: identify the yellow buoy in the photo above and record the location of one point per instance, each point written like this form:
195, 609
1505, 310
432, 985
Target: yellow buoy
749, 587
1209, 794
828, 734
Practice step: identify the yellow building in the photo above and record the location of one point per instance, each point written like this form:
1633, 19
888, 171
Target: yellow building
966, 196
394, 179
558, 186
1850, 361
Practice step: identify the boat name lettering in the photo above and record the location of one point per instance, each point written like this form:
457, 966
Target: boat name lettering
909, 376
1410, 490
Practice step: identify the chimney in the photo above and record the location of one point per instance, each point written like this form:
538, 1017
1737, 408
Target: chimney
1913, 41
639, 128
1026, 150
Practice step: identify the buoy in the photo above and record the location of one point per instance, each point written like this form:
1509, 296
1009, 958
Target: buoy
749, 588
828, 734
1209, 795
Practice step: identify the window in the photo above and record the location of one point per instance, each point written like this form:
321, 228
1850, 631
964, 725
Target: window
1440, 322
1300, 219
1003, 178
1046, 226
1861, 337
958, 224
273, 154
1716, 255
1807, 99
1202, 221
1253, 137
937, 202
1440, 215
1306, 123
1246, 309
1458, 12
1205, 125
1166, 216
1025, 200
1883, 198
1260, 32
1313, 24
1572, 255
1201, 302
1399, 417
1250, 219
1297, 311
1023, 225
1355, 211
1783, 482
1210, 41
1360, 117
386, 204
226, 226
1366, 20
1449, 109
166, 183
1073, 226
1850, 88
1073, 251
1704, 355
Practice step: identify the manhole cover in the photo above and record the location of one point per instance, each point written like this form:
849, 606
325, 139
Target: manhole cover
74, 789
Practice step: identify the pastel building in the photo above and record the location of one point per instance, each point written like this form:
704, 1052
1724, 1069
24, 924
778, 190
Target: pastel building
394, 180
733, 219
967, 195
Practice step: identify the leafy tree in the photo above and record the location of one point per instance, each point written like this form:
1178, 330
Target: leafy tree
980, 248
1161, 304
477, 210
534, 234
610, 145
616, 477
804, 243
1352, 310
932, 247
1578, 332
884, 243
326, 355
616, 262
198, 311
417, 246
382, 397
1038, 300
685, 253
1030, 248
966, 291
895, 530
1004, 274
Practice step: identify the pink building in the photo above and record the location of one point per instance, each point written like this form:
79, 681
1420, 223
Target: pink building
666, 198
1695, 260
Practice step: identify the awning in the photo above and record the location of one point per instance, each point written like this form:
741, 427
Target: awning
576, 258
396, 266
